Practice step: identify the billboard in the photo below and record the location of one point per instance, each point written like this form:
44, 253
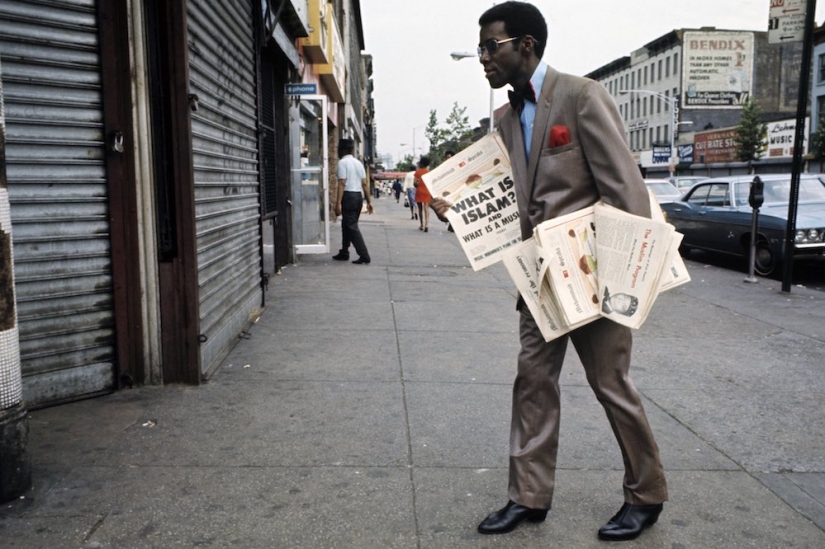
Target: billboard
714, 146
717, 69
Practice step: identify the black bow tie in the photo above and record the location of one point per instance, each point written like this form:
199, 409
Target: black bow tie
517, 98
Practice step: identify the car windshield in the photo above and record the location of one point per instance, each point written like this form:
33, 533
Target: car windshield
685, 182
779, 191
663, 189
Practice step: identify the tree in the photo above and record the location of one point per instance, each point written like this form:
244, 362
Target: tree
458, 125
455, 134
406, 165
817, 148
750, 134
436, 135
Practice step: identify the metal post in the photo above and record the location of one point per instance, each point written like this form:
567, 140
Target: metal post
755, 199
801, 110
673, 160
754, 224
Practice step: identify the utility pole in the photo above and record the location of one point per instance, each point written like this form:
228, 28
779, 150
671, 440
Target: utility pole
777, 23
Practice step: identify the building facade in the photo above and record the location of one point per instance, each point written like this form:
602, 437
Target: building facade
818, 80
687, 82
153, 152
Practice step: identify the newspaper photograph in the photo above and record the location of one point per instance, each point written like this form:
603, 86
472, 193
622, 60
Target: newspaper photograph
478, 187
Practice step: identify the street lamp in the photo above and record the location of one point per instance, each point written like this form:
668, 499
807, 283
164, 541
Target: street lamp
674, 110
404, 147
415, 129
458, 56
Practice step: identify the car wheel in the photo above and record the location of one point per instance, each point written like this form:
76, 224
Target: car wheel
765, 262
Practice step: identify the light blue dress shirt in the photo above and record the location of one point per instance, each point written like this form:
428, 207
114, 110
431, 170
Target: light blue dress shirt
528, 112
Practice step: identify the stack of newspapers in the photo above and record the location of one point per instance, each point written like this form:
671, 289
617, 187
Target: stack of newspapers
593, 263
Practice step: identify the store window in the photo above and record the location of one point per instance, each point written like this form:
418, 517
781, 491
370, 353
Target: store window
821, 68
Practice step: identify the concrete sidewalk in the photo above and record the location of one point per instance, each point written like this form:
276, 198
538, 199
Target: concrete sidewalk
369, 408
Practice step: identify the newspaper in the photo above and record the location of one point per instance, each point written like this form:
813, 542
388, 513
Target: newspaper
597, 262
477, 183
566, 274
676, 274
523, 263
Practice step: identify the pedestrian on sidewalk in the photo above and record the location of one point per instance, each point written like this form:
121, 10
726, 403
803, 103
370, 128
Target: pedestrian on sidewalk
583, 158
409, 188
422, 194
352, 188
397, 188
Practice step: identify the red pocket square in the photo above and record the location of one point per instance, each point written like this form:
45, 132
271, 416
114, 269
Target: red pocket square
559, 135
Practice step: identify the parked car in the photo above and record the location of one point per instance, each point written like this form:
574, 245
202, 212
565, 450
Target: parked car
663, 189
715, 215
684, 182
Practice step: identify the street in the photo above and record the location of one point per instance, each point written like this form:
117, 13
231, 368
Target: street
807, 273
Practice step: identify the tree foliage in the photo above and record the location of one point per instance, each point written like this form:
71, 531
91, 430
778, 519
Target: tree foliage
454, 134
436, 135
751, 133
407, 164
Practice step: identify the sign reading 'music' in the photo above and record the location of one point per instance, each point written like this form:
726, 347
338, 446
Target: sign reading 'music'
780, 138
717, 69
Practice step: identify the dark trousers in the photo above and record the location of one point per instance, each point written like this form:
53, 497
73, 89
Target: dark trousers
351, 205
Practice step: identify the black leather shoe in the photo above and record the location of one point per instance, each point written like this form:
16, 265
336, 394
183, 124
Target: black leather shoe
506, 519
341, 256
362, 261
629, 522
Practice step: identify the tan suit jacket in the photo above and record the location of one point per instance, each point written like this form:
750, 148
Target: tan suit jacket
596, 164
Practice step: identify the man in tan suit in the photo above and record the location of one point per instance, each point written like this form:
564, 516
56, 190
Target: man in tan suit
568, 150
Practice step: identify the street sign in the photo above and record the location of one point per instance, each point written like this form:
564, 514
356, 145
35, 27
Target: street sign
661, 154
786, 22
301, 89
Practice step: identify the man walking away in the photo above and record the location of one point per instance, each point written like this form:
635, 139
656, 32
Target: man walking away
352, 189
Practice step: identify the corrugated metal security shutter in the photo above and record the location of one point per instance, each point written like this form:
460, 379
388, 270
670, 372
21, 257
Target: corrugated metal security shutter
225, 145
59, 197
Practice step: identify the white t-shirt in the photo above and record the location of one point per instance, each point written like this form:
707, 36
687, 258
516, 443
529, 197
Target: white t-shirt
408, 180
351, 169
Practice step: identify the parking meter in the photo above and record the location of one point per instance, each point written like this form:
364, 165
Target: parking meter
757, 195
755, 198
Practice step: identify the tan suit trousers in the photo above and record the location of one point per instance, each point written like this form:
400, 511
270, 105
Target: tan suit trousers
604, 349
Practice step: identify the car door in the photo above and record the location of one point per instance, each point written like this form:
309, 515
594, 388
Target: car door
685, 214
718, 227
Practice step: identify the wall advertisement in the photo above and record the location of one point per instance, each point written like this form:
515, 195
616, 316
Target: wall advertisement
716, 146
717, 69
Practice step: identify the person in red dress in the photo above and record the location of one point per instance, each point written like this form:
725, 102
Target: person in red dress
422, 194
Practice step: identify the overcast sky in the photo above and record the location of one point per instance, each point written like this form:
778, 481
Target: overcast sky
411, 44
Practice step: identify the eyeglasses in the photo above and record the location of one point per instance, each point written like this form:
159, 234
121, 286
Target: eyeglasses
491, 45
